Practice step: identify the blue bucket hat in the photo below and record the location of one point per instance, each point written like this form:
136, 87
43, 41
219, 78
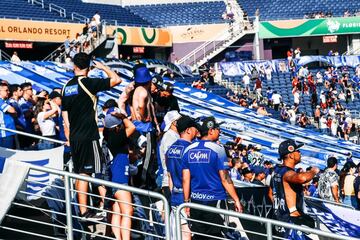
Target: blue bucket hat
142, 75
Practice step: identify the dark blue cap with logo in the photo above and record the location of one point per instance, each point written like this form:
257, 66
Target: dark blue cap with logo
288, 146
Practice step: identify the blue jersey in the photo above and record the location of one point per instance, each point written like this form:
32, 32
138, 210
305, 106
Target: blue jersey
174, 168
205, 159
26, 108
6, 119
19, 119
120, 169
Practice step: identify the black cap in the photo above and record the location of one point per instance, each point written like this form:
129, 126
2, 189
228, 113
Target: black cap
54, 94
207, 124
288, 146
157, 80
186, 122
168, 87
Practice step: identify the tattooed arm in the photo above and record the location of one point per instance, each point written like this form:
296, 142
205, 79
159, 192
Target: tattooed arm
229, 187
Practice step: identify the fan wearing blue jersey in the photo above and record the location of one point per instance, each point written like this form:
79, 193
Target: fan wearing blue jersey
7, 139
188, 130
206, 179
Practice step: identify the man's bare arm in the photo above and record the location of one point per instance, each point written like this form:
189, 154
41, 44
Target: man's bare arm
186, 184
66, 124
229, 187
114, 78
335, 192
300, 178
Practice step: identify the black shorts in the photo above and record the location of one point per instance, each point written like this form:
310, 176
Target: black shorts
210, 217
87, 156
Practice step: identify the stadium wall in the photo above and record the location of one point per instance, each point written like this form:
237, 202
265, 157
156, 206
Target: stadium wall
37, 31
187, 38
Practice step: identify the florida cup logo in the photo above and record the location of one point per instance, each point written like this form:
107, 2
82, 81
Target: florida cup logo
332, 25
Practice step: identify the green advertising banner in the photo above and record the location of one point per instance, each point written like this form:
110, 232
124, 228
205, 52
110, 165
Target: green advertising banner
309, 27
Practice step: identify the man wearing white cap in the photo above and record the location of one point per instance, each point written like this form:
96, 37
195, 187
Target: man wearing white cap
171, 135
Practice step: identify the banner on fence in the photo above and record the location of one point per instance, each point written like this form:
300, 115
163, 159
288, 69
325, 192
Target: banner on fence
52, 158
337, 219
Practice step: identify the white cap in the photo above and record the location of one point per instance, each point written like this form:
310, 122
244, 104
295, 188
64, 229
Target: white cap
170, 117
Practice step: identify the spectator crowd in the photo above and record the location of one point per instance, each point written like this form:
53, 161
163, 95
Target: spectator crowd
147, 143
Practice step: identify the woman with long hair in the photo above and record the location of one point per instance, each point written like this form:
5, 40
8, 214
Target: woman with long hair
44, 112
349, 191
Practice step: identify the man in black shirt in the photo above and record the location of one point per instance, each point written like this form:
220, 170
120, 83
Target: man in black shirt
80, 121
287, 187
165, 101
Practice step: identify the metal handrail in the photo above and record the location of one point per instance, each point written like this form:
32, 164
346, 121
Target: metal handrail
67, 178
4, 55
234, 32
33, 135
39, 2
269, 222
79, 17
57, 8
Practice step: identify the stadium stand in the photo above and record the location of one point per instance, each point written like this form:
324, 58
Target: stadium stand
18, 10
295, 9
281, 82
181, 13
110, 13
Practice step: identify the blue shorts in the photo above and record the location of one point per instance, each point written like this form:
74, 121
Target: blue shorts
120, 169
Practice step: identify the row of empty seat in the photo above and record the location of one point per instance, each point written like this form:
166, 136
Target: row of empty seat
144, 15
283, 9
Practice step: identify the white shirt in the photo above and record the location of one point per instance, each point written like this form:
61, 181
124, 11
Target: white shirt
323, 98
296, 97
97, 18
268, 73
323, 123
292, 115
168, 139
15, 58
47, 126
246, 79
331, 112
276, 98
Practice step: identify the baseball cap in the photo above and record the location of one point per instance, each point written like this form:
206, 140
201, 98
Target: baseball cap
288, 146
257, 170
207, 124
185, 122
168, 87
54, 94
110, 120
142, 74
170, 117
157, 80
